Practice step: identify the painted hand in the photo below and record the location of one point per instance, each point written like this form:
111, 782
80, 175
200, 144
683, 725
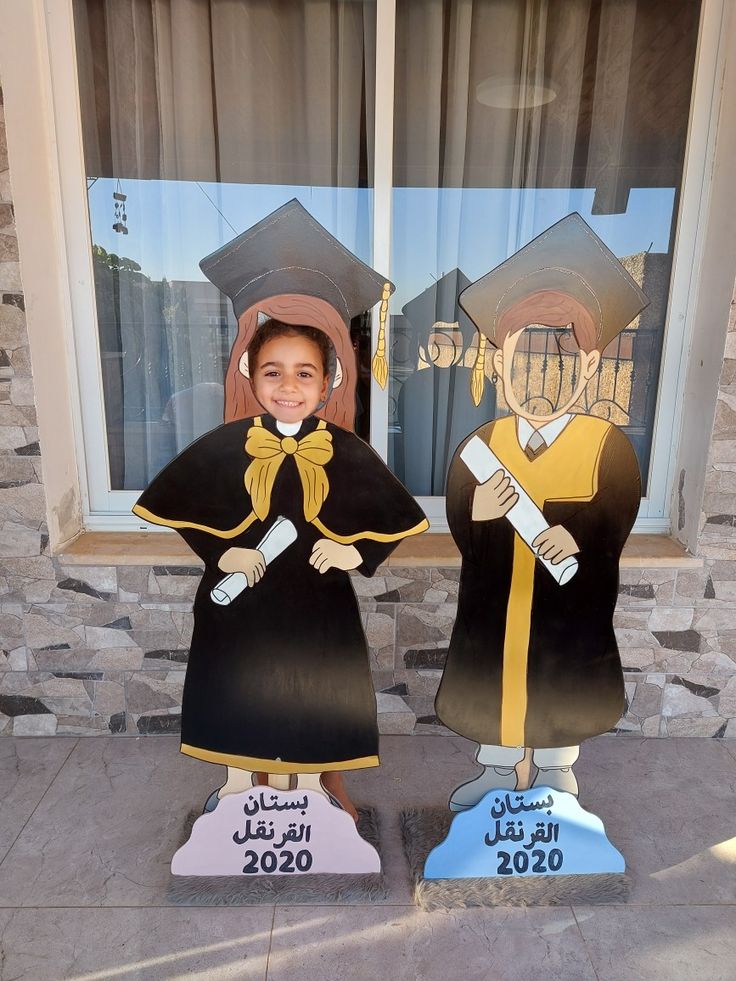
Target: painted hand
494, 498
555, 545
327, 554
249, 561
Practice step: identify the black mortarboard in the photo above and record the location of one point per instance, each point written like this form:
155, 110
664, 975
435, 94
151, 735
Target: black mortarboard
439, 302
568, 257
290, 252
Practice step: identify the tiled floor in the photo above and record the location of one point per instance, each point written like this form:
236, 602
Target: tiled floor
88, 826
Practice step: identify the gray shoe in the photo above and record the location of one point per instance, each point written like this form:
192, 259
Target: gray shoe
558, 778
332, 799
212, 801
468, 794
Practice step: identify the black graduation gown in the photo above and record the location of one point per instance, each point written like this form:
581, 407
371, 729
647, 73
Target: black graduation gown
435, 411
531, 662
280, 679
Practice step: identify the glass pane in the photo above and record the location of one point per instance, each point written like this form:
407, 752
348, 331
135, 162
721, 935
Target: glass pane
509, 116
199, 119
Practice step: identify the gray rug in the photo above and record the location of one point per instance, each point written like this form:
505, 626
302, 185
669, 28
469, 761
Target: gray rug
424, 828
221, 890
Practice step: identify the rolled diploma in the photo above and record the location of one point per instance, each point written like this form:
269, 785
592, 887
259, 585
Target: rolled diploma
525, 517
279, 536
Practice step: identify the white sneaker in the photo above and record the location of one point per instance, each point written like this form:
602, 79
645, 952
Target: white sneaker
468, 794
558, 778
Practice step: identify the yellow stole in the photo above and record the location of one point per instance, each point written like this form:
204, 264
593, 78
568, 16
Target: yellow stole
566, 471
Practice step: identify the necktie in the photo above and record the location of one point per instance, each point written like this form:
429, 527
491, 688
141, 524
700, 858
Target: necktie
535, 445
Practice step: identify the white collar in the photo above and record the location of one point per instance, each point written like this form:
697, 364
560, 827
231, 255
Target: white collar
549, 431
288, 428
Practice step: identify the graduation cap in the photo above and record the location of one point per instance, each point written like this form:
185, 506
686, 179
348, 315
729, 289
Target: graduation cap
439, 304
290, 252
568, 258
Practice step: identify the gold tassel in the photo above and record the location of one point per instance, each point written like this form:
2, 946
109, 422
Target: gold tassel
379, 365
478, 377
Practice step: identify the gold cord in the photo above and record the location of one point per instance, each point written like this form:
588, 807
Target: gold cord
379, 365
478, 377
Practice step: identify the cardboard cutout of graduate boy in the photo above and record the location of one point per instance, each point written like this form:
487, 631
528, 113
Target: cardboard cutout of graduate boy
281, 503
540, 507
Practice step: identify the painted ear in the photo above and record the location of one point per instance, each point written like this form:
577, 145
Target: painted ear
498, 362
243, 366
338, 374
592, 362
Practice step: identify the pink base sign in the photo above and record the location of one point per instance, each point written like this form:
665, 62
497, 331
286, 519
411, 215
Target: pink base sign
264, 831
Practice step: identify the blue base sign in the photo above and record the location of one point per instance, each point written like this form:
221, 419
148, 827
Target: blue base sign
526, 833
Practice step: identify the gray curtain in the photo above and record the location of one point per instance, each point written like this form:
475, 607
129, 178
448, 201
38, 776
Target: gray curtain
620, 72
209, 90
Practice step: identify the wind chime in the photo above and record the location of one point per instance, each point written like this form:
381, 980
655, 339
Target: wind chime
121, 215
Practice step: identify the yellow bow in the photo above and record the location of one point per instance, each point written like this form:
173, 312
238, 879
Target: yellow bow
311, 454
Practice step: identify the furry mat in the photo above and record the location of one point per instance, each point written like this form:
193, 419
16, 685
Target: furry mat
198, 890
424, 828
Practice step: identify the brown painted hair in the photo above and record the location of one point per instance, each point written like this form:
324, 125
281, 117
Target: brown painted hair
298, 310
551, 309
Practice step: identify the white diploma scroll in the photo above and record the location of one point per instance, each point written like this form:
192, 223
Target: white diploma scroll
279, 536
525, 517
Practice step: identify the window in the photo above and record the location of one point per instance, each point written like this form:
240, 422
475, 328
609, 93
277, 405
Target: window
509, 116
199, 119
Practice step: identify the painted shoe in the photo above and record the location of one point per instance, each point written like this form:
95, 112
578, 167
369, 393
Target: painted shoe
468, 794
558, 778
332, 799
212, 801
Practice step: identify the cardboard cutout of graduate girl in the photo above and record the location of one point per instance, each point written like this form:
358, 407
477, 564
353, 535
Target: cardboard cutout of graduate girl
278, 679
540, 507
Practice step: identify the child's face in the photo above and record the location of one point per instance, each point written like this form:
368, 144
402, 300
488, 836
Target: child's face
289, 380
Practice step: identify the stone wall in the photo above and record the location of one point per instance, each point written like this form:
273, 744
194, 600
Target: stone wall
103, 649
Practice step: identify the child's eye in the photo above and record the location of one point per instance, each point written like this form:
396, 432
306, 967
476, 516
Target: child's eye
272, 374
306, 374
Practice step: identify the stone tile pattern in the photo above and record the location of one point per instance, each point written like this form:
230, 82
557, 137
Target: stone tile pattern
103, 649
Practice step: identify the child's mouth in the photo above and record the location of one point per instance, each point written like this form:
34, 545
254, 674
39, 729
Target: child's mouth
287, 405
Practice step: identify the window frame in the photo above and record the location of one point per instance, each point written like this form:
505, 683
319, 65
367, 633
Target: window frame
106, 510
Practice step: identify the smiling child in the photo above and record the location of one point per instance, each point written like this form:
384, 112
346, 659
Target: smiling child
278, 681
